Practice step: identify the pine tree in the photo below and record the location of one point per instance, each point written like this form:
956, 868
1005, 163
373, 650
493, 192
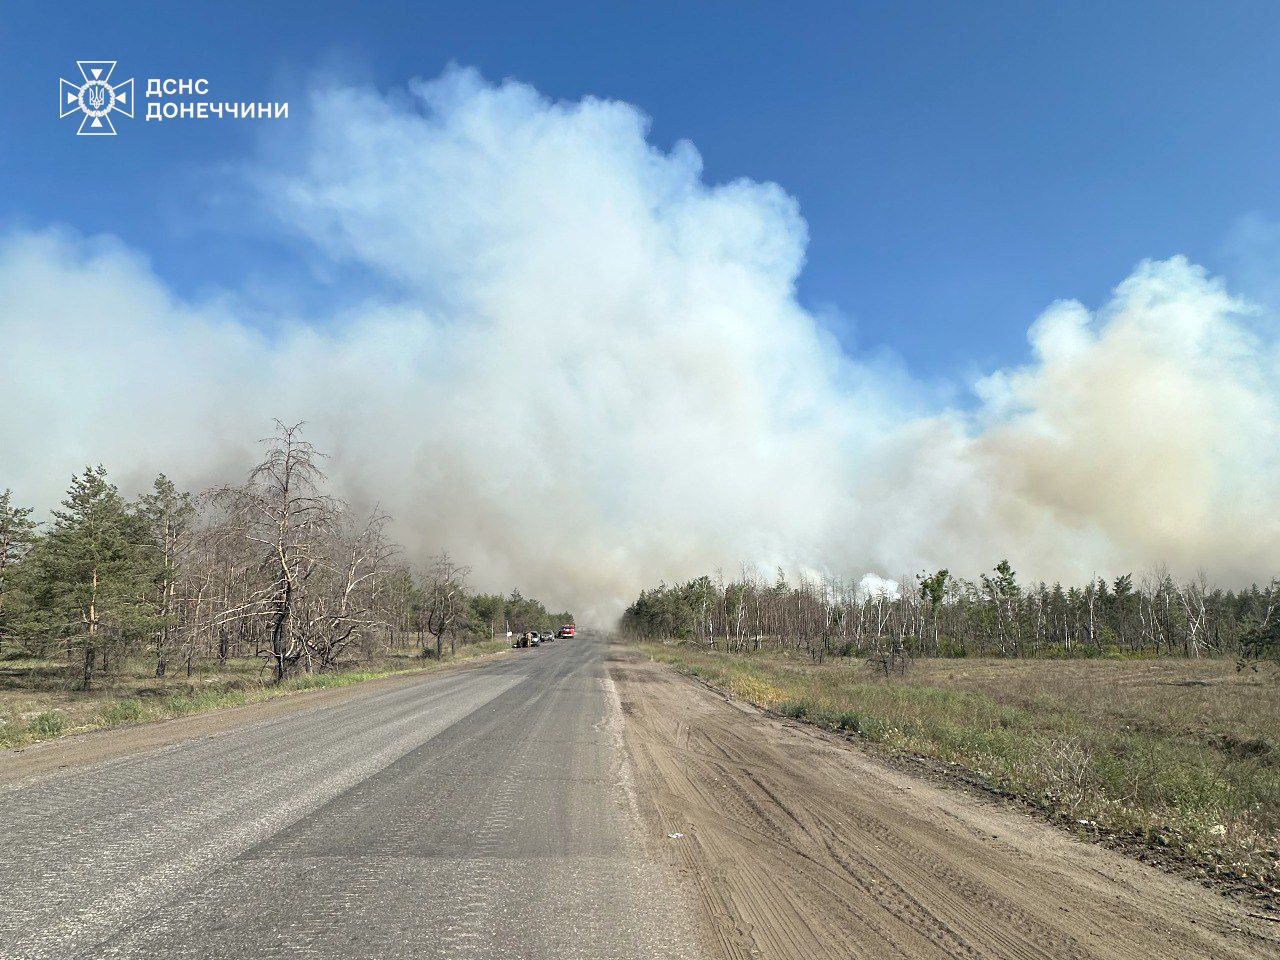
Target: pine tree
1261, 640
17, 534
168, 517
90, 578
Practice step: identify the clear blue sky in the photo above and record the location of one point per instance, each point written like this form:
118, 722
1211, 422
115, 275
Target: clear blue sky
960, 165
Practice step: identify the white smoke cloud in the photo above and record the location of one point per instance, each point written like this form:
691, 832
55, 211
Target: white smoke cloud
589, 371
873, 586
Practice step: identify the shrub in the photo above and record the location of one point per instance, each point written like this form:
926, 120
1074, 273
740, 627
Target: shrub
795, 709
48, 724
123, 711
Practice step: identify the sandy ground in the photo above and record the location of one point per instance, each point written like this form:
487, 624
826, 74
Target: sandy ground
802, 846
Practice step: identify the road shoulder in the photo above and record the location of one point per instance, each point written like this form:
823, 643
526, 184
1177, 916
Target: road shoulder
21, 765
801, 845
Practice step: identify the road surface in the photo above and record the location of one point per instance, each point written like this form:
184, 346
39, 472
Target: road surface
522, 808
483, 812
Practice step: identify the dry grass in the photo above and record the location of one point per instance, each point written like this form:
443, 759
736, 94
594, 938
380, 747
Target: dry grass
1181, 755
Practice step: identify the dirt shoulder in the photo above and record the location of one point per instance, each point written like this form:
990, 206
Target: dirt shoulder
801, 845
111, 743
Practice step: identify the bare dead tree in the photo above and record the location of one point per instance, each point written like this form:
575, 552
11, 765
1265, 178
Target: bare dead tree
444, 584
286, 522
342, 597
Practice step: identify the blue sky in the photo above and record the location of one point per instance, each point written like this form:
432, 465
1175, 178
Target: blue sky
960, 166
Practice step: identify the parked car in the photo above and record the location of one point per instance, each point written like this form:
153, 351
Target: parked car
548, 637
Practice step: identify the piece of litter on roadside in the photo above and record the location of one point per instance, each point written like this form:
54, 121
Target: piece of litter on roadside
675, 836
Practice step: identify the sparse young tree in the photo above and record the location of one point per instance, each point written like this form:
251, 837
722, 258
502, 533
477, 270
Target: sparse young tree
168, 517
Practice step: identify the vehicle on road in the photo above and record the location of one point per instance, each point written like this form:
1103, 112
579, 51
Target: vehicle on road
548, 637
529, 638
566, 631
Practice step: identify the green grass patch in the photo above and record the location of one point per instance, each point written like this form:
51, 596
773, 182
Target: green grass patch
47, 724
128, 710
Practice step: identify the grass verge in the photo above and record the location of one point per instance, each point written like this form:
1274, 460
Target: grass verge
113, 711
1114, 757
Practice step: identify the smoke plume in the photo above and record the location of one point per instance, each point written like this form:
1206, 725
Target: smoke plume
586, 369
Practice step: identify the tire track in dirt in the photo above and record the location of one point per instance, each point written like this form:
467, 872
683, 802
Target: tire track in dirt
801, 846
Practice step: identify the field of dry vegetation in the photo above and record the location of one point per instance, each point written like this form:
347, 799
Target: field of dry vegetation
1171, 755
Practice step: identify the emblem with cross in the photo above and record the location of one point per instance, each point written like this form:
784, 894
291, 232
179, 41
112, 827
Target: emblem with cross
96, 98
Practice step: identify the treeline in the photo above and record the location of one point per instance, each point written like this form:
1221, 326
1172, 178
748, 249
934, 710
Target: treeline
275, 568
945, 615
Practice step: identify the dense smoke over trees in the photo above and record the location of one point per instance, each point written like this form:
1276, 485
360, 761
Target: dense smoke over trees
946, 615
628, 363
275, 567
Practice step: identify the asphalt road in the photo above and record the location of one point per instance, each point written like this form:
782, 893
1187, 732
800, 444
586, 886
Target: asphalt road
480, 813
